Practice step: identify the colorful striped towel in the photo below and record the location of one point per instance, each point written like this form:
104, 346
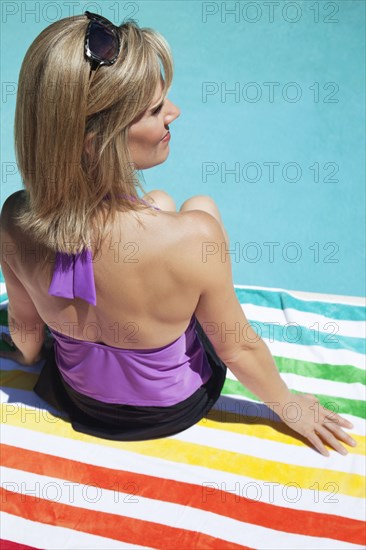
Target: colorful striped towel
3, 295
237, 479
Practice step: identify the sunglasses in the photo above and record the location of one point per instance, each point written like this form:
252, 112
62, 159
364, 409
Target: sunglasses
102, 42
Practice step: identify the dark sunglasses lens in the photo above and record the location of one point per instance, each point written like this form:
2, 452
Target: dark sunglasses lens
102, 42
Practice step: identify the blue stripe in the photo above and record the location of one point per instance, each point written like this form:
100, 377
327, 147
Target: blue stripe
3, 295
282, 300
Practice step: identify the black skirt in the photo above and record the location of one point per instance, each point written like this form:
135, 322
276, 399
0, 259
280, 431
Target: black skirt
128, 422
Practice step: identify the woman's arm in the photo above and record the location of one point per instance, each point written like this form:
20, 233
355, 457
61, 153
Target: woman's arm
25, 325
257, 371
245, 353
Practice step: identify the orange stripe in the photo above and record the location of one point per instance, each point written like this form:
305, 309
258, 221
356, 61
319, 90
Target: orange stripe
102, 524
188, 494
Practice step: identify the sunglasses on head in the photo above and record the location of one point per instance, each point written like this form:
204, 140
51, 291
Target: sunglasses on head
102, 42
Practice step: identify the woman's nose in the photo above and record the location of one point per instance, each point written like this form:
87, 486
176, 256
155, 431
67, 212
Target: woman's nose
173, 111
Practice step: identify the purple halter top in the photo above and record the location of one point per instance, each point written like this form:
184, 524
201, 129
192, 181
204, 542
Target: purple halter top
142, 377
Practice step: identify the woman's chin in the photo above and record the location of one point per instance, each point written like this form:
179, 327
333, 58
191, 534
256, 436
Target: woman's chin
156, 162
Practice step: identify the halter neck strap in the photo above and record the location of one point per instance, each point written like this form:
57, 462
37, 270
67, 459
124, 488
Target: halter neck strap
73, 277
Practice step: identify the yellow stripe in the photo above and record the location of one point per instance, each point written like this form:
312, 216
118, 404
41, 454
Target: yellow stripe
193, 454
270, 430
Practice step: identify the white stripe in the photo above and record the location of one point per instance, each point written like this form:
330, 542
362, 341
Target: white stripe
28, 404
324, 328
353, 390
52, 537
174, 515
316, 499
312, 296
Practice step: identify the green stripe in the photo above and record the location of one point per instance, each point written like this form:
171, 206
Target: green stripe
4, 317
339, 404
282, 300
5, 347
326, 371
234, 387
4, 323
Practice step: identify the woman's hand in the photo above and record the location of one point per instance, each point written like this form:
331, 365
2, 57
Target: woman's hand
319, 425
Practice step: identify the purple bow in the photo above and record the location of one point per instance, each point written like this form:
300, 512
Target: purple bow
73, 277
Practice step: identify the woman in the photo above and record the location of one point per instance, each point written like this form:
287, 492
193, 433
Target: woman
124, 284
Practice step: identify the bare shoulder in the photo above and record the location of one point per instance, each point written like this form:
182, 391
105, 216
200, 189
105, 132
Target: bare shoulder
11, 206
197, 242
200, 224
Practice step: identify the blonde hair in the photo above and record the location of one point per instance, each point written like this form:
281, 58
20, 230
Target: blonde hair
71, 197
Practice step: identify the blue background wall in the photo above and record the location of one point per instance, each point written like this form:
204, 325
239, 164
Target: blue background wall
297, 73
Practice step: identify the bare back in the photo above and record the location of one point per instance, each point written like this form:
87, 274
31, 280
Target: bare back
144, 278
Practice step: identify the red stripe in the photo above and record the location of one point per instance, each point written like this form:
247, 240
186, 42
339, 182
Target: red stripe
112, 526
187, 494
8, 545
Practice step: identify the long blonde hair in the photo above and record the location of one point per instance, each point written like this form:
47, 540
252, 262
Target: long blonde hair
58, 107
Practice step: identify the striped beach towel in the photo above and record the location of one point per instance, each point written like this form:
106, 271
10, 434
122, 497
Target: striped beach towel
237, 479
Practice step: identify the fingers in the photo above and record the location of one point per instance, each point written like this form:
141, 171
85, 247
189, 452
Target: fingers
332, 441
324, 435
330, 430
331, 417
327, 415
327, 429
332, 435
318, 444
340, 434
